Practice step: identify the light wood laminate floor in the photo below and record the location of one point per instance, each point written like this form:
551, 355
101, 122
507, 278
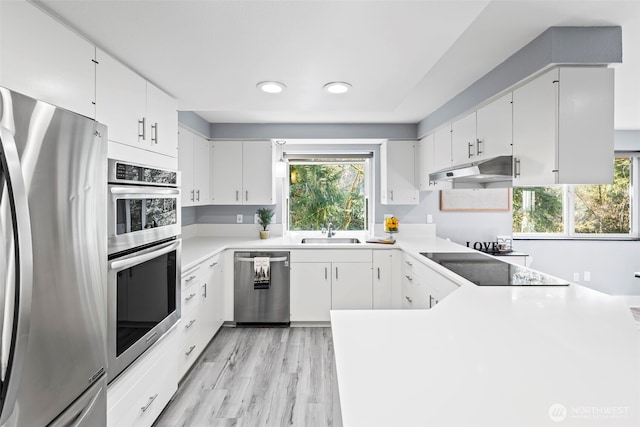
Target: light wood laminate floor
258, 377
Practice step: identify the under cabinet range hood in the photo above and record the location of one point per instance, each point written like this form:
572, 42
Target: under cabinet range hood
490, 173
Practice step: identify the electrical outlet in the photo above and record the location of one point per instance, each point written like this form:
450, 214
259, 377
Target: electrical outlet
255, 218
239, 219
587, 276
576, 277
429, 218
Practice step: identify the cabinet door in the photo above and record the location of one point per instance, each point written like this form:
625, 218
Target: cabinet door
426, 162
310, 291
120, 101
382, 280
495, 129
43, 59
463, 139
398, 173
201, 170
534, 131
351, 286
585, 126
161, 122
442, 148
185, 165
257, 176
210, 314
226, 173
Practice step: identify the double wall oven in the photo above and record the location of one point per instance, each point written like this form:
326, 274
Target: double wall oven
144, 259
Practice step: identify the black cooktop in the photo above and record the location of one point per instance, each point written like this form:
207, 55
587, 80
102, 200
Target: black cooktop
484, 270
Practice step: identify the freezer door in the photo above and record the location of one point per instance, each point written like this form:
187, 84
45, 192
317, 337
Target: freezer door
63, 164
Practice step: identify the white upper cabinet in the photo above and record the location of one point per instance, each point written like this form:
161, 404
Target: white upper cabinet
442, 148
242, 173
563, 128
398, 183
136, 112
494, 129
193, 162
463, 139
41, 58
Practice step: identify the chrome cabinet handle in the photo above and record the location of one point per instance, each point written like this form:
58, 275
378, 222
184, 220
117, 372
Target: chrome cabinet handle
469, 153
213, 265
190, 279
151, 399
408, 299
152, 336
325, 273
408, 277
392, 195
236, 195
205, 290
198, 195
516, 167
142, 134
336, 273
190, 324
431, 300
189, 297
193, 198
11, 172
378, 273
246, 195
409, 264
478, 151
190, 350
154, 133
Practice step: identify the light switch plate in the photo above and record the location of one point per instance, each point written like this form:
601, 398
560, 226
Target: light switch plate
239, 219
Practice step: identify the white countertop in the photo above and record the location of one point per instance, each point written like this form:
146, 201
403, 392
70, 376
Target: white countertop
484, 356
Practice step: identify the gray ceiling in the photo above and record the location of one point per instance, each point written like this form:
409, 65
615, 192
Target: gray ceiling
404, 58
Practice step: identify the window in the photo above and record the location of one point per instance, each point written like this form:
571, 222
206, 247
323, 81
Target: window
579, 210
328, 190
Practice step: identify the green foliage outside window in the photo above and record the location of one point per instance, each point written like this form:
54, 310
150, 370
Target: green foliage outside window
605, 208
327, 192
538, 210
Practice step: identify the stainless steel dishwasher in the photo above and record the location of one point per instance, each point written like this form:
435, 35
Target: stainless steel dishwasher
261, 287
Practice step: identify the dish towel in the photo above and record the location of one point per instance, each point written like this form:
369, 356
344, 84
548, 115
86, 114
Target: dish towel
261, 272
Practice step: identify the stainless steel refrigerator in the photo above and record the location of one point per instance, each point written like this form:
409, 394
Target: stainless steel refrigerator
53, 258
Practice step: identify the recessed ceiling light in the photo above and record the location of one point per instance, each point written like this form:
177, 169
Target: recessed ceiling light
271, 87
337, 87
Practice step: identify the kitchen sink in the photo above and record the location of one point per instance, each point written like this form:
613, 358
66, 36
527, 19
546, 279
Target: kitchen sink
330, 240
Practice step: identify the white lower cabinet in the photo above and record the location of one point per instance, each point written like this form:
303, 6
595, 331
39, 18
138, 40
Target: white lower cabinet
202, 310
383, 279
422, 287
310, 292
324, 280
141, 392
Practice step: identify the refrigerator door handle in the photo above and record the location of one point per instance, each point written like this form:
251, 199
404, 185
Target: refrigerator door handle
17, 194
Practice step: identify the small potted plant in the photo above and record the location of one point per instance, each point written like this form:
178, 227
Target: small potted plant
264, 219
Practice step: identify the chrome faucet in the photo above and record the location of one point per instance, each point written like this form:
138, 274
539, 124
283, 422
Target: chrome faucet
330, 231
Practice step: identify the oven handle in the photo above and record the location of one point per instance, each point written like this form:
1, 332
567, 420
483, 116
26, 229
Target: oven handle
145, 190
123, 264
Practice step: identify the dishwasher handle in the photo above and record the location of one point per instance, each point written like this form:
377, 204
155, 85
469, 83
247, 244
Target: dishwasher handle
276, 259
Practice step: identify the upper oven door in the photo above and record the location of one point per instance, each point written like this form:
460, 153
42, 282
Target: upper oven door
141, 215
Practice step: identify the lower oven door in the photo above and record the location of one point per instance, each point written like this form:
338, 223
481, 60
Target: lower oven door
143, 300
141, 215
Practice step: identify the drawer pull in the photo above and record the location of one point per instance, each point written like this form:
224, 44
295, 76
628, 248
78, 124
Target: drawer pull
190, 279
190, 350
189, 297
409, 264
408, 277
190, 324
213, 265
409, 299
151, 399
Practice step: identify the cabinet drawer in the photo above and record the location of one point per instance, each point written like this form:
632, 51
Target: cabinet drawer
188, 355
332, 255
141, 403
191, 300
191, 277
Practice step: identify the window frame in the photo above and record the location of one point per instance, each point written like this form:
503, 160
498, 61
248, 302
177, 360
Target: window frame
315, 157
568, 211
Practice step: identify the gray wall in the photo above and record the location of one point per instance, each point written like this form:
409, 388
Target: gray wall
194, 122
